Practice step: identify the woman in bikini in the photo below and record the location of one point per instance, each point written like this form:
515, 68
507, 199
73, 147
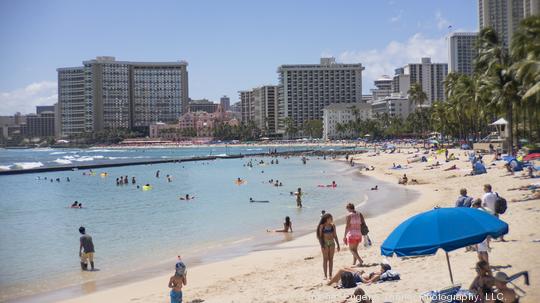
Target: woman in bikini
326, 233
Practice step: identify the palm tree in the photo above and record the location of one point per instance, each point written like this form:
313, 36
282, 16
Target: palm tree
525, 53
290, 128
493, 63
417, 96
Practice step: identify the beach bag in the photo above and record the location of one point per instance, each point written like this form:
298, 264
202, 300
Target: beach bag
364, 230
347, 280
500, 205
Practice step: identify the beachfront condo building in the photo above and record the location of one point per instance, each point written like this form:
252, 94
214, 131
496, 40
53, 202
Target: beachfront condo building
202, 105
260, 106
401, 82
430, 76
383, 87
225, 103
504, 15
461, 52
395, 105
246, 108
105, 94
306, 89
337, 116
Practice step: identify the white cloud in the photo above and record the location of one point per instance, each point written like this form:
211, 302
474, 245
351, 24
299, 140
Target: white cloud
442, 23
397, 17
396, 54
25, 99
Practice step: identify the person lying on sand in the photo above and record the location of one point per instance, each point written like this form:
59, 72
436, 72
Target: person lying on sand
451, 168
375, 188
532, 186
360, 276
535, 195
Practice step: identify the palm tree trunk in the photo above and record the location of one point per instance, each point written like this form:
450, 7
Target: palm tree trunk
509, 117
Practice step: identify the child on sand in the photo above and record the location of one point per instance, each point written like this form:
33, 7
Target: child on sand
178, 280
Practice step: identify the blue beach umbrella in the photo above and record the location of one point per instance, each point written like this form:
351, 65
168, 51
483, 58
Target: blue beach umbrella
442, 228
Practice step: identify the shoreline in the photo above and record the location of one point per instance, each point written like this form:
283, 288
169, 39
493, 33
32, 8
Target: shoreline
291, 271
225, 251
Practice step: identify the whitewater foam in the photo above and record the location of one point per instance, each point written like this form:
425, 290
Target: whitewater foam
27, 165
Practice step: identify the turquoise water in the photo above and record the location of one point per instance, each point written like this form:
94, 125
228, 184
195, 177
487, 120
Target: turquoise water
134, 229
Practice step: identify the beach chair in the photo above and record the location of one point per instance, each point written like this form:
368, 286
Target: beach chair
446, 295
516, 276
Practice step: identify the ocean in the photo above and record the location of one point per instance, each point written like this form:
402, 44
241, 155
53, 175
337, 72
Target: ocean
140, 233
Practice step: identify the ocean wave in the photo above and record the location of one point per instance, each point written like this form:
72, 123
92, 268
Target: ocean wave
62, 161
27, 165
117, 158
106, 151
5, 167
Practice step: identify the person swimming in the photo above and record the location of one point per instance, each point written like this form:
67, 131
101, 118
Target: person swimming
375, 188
187, 197
75, 204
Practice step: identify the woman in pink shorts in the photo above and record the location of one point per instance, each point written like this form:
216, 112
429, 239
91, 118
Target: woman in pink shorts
353, 234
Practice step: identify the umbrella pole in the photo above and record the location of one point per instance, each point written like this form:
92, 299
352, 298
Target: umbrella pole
449, 268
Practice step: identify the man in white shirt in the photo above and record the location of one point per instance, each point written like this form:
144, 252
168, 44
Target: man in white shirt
489, 199
488, 202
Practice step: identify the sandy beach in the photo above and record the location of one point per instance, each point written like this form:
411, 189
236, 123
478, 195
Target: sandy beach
291, 271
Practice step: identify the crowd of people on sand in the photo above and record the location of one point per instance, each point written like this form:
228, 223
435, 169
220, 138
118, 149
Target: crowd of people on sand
356, 230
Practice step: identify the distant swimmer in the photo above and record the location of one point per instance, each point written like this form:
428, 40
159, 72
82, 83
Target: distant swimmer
76, 205
133, 180
375, 188
299, 198
258, 201
187, 197
169, 178
333, 185
157, 174
240, 181
287, 227
67, 179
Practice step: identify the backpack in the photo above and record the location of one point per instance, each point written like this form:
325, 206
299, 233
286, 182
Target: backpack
347, 280
500, 205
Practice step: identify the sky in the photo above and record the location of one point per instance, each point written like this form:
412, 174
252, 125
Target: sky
230, 45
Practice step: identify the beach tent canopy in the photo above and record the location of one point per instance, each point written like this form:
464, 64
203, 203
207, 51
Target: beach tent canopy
436, 229
530, 157
501, 121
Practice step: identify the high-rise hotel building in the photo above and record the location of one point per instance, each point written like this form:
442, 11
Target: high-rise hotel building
430, 76
505, 15
462, 51
260, 106
306, 89
108, 94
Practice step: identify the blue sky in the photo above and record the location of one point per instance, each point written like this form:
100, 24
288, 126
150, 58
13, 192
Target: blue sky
230, 45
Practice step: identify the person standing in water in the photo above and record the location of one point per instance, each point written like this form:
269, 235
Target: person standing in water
326, 233
299, 198
86, 249
157, 174
353, 232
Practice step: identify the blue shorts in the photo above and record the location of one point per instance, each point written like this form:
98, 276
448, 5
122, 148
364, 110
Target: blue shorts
176, 296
